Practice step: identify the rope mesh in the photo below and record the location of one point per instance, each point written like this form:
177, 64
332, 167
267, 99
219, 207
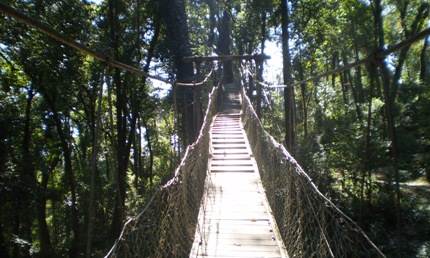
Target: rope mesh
309, 223
166, 226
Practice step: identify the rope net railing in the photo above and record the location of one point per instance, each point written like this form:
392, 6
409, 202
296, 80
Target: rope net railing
310, 224
166, 225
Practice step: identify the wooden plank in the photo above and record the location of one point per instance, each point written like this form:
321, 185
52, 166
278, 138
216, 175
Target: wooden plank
234, 219
237, 223
224, 118
228, 141
235, 246
232, 157
256, 204
241, 253
241, 236
230, 256
229, 145
226, 130
235, 122
238, 215
247, 162
221, 191
220, 256
230, 151
228, 117
215, 169
227, 123
236, 133
244, 230
226, 136
224, 124
223, 256
231, 199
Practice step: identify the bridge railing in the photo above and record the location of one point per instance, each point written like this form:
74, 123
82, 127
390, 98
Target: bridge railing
166, 225
310, 224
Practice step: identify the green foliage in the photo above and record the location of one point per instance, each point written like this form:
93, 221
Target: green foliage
60, 88
346, 151
49, 93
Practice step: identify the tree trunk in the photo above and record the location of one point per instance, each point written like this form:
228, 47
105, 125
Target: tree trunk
151, 153
289, 102
388, 107
344, 87
175, 19
425, 74
356, 90
212, 4
28, 174
358, 79
95, 128
415, 27
304, 100
121, 124
260, 64
367, 146
70, 179
225, 42
3, 248
44, 236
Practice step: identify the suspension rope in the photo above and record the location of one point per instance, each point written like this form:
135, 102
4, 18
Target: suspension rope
45, 29
164, 223
191, 146
193, 84
135, 218
260, 138
376, 56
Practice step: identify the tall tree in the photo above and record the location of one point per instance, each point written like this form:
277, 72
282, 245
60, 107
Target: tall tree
175, 20
225, 41
289, 99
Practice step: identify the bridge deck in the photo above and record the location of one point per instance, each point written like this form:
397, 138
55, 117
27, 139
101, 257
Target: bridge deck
234, 219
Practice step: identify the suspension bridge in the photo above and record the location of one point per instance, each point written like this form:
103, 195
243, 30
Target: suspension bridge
239, 193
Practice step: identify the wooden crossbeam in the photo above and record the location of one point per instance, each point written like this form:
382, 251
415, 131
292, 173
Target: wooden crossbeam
198, 59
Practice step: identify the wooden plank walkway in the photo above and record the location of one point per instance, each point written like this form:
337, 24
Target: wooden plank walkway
234, 219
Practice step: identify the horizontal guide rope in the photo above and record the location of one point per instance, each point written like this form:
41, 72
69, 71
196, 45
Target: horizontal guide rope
307, 179
197, 59
169, 185
74, 44
192, 84
264, 84
84, 49
205, 121
377, 55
